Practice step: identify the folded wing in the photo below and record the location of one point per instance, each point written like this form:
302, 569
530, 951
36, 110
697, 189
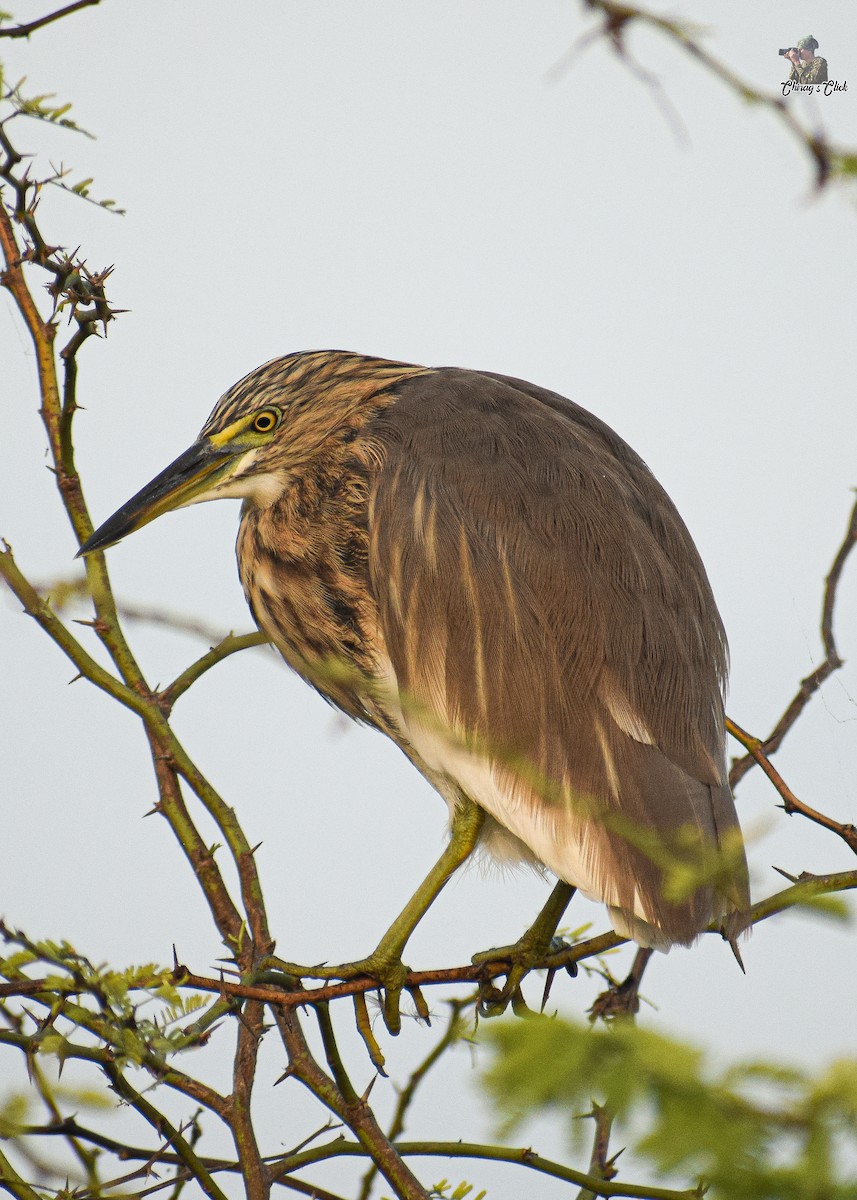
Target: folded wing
555, 646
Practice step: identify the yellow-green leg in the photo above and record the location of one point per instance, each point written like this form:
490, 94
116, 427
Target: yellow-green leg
524, 954
464, 833
385, 962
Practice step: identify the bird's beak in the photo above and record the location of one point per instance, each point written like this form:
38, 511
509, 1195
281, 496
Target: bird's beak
184, 481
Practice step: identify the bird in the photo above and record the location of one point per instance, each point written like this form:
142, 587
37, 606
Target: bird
484, 571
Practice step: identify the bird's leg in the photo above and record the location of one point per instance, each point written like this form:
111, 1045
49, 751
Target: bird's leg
524, 954
385, 962
464, 833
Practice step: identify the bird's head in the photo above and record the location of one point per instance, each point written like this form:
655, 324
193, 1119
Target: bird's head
240, 456
267, 425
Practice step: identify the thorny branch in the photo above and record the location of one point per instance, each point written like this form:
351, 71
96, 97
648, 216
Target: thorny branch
281, 1168
802, 892
600, 1165
791, 804
245, 933
524, 1157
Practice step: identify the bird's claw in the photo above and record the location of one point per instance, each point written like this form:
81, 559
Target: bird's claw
391, 974
389, 971
620, 1001
525, 955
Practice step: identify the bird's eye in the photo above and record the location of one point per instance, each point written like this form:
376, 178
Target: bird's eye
267, 420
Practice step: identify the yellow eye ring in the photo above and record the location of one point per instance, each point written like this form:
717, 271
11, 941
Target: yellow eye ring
267, 420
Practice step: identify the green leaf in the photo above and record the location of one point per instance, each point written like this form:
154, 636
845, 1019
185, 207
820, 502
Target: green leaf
754, 1131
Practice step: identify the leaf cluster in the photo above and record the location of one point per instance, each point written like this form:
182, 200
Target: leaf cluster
752, 1131
135, 1015
16, 102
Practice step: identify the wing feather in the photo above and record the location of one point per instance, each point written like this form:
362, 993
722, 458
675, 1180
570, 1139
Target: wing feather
554, 641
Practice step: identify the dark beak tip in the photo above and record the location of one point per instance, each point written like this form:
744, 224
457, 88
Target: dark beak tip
102, 539
88, 547
194, 463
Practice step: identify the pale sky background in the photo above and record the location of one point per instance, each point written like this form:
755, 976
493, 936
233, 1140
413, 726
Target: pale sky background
409, 180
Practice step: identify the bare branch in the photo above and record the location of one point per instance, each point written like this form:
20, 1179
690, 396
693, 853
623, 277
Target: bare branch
791, 804
18, 31
600, 1165
524, 1157
231, 644
810, 685
830, 162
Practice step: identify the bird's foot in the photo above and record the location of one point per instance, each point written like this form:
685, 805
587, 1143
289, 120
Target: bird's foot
525, 955
622, 1000
387, 969
391, 973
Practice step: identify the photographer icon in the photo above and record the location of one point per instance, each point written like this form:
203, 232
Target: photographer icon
806, 66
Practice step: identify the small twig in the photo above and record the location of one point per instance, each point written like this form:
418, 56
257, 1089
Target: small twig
600, 1165
231, 644
810, 685
668, 110
18, 31
827, 160
791, 804
331, 1053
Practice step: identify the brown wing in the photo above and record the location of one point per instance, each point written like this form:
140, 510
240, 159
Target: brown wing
554, 639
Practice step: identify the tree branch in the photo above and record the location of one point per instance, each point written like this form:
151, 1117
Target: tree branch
600, 1165
829, 162
810, 685
791, 804
250, 1030
18, 31
231, 644
524, 1157
11, 1182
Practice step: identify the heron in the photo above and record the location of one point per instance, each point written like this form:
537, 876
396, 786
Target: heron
488, 574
